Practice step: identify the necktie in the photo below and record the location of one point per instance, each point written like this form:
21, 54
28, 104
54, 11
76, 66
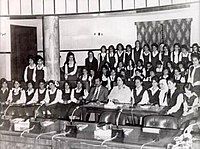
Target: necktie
95, 94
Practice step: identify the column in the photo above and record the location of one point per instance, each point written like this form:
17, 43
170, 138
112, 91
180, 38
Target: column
51, 47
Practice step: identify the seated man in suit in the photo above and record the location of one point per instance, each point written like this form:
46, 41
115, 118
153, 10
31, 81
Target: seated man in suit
98, 94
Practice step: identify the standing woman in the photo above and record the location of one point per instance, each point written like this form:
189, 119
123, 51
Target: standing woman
85, 78
185, 56
70, 68
175, 53
194, 74
102, 57
41, 70
17, 94
155, 55
130, 70
91, 62
137, 51
165, 55
30, 70
146, 55
195, 49
128, 54
112, 57
105, 77
121, 53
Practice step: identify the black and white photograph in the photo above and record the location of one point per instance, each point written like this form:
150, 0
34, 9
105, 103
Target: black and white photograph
99, 74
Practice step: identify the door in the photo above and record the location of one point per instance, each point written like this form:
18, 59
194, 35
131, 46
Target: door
23, 44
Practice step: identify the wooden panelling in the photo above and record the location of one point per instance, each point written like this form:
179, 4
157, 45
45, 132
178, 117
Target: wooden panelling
60, 6
14, 7
37, 6
105, 5
93, 5
26, 7
71, 6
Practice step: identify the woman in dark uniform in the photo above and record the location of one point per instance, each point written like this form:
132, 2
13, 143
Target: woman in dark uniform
30, 70
102, 57
146, 54
128, 54
41, 71
4, 93
155, 55
121, 53
30, 91
70, 68
91, 62
112, 57
165, 55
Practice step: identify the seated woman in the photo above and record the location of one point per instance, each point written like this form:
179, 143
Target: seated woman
17, 94
77, 98
163, 92
4, 91
66, 93
30, 91
40, 93
130, 70
105, 77
175, 100
140, 95
120, 93
85, 78
153, 92
190, 105
52, 98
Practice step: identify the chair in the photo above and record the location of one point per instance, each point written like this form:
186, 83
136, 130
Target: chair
160, 121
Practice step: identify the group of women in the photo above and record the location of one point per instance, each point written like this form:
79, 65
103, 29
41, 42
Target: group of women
155, 75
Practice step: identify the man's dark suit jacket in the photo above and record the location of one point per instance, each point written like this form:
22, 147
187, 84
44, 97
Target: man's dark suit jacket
102, 97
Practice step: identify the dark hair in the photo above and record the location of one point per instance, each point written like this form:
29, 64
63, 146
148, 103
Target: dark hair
138, 41
159, 63
103, 47
67, 83
185, 47
98, 77
195, 44
138, 78
31, 57
141, 61
171, 79
154, 45
177, 44
32, 82
196, 55
67, 57
146, 45
188, 86
111, 47
122, 77
155, 78
38, 57
52, 81
90, 52
128, 46
3, 80
119, 44
16, 81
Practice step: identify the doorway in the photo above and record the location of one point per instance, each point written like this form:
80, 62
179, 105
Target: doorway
23, 44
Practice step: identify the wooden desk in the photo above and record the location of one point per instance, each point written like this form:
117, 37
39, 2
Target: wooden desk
85, 139
140, 111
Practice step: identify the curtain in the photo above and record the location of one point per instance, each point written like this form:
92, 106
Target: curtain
165, 31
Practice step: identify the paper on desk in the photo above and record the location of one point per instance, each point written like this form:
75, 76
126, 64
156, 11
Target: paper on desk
110, 105
17, 120
82, 126
127, 131
100, 134
47, 123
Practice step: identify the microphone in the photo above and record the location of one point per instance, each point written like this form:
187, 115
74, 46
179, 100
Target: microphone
72, 129
118, 133
71, 119
118, 116
4, 114
36, 111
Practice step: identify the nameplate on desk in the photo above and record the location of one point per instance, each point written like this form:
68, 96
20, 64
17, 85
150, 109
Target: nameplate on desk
151, 130
21, 126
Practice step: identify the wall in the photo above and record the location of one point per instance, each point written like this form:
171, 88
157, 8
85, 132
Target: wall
5, 43
82, 33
